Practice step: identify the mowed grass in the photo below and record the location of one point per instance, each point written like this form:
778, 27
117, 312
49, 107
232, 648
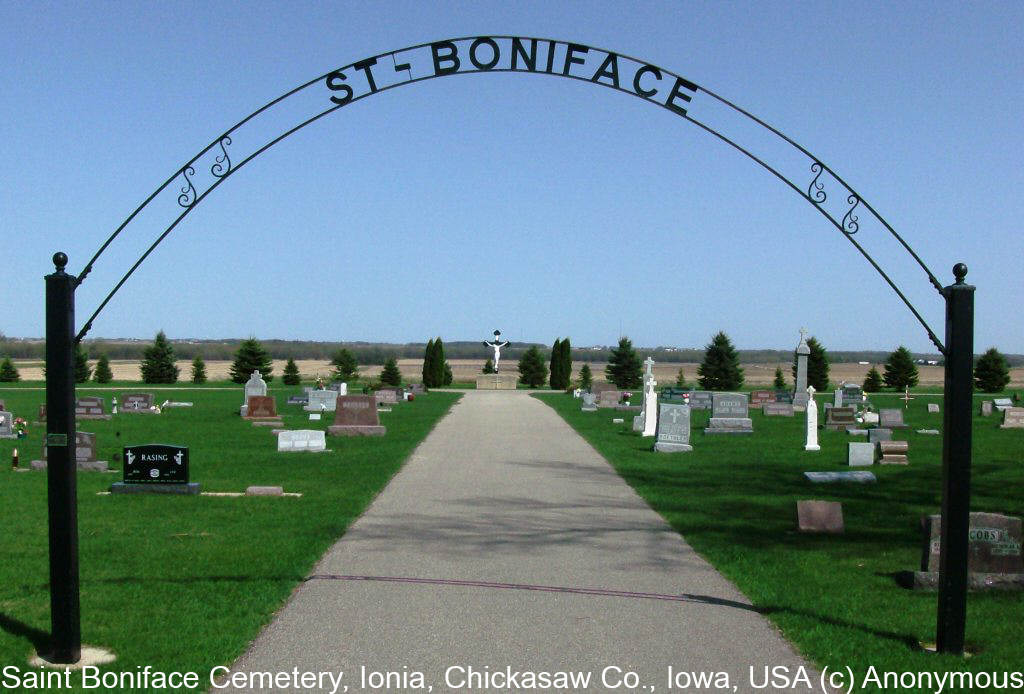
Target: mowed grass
836, 597
184, 583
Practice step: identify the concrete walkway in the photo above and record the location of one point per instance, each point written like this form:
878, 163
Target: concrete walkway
506, 541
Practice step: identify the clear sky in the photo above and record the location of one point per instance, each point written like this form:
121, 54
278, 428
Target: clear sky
543, 207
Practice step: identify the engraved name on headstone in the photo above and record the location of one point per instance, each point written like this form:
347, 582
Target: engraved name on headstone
673, 430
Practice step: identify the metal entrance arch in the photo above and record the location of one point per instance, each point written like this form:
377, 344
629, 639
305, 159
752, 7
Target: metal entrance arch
781, 156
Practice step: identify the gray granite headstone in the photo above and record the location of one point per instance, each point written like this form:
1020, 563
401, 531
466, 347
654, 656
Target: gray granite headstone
891, 419
729, 415
852, 395
986, 408
7, 425
609, 398
994, 558
254, 386
877, 434
321, 401
136, 402
301, 440
933, 408
589, 402
673, 431
1002, 403
838, 418
861, 454
777, 409
1013, 418
90, 408
85, 453
701, 400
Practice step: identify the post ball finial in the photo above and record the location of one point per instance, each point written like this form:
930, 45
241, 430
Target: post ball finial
960, 272
60, 260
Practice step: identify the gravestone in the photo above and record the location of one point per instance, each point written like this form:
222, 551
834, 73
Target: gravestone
417, 388
838, 418
387, 396
673, 394
729, 414
986, 408
1013, 418
701, 400
589, 403
7, 425
312, 440
784, 396
891, 419
339, 387
893, 452
298, 399
858, 476
42, 412
760, 397
800, 389
321, 401
875, 435
261, 407
815, 516
812, 421
777, 409
497, 381
854, 431
933, 408
609, 398
673, 430
155, 468
870, 417
837, 398
136, 402
649, 414
254, 386
356, 415
598, 387
853, 395
993, 552
1002, 404
861, 454
90, 408
929, 432
85, 454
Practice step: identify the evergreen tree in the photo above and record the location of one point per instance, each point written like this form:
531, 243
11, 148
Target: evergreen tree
391, 376
82, 370
345, 366
250, 357
532, 371
439, 366
991, 372
488, 367
780, 381
720, 369
900, 370
158, 361
555, 365
624, 369
428, 365
566, 363
817, 366
873, 381
291, 377
8, 373
103, 374
448, 377
198, 370
681, 379
586, 378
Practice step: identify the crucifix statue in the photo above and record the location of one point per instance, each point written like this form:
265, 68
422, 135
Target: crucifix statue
496, 345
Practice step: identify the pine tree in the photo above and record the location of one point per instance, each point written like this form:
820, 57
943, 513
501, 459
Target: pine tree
103, 374
555, 365
720, 369
158, 361
8, 373
440, 368
991, 372
681, 379
532, 371
428, 365
780, 381
291, 377
817, 365
345, 366
82, 370
586, 378
624, 369
488, 367
561, 364
873, 381
198, 370
448, 376
566, 364
900, 371
390, 375
250, 357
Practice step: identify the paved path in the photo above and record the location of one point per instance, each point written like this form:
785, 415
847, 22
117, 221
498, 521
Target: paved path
507, 541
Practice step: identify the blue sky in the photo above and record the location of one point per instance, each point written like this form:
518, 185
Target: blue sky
543, 207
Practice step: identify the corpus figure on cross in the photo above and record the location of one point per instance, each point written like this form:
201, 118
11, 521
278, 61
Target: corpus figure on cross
496, 345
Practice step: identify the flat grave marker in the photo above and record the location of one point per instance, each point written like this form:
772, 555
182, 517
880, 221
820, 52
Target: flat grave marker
1013, 418
858, 476
816, 516
861, 454
312, 440
877, 434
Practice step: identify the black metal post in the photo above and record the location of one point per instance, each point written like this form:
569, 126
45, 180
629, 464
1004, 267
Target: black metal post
958, 411
62, 483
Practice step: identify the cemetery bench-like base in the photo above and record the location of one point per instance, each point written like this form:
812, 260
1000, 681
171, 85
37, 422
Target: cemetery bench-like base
352, 430
929, 580
129, 488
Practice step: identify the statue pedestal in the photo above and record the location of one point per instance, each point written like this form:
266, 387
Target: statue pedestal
498, 381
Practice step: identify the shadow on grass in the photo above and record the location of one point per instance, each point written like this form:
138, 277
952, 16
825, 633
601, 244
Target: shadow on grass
39, 639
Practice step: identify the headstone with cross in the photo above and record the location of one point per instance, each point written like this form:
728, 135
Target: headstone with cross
673, 430
155, 467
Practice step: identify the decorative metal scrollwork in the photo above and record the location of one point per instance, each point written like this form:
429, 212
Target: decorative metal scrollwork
188, 191
222, 164
850, 225
816, 191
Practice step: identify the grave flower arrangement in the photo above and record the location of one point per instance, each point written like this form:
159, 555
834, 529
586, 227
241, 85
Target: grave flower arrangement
21, 427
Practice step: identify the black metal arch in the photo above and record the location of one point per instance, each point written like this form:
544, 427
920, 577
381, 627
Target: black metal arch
499, 53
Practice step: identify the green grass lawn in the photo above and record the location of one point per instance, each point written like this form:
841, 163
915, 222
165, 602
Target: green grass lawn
184, 583
836, 597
